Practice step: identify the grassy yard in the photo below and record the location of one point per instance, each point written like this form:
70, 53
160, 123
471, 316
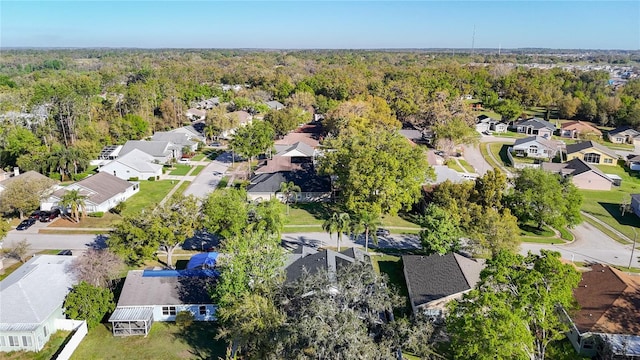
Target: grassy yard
391, 266
453, 165
183, 187
199, 157
151, 193
485, 155
165, 341
87, 223
466, 165
605, 205
48, 352
180, 169
197, 170
499, 151
303, 229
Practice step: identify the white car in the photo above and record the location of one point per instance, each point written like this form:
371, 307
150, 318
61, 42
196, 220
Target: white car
184, 161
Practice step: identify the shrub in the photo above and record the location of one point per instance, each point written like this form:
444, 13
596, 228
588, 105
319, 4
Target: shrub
184, 318
97, 214
152, 179
135, 178
118, 209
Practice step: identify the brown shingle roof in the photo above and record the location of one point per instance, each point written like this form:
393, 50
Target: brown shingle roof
609, 302
581, 127
98, 188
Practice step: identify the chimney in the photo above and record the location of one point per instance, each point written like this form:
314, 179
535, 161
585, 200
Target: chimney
16, 171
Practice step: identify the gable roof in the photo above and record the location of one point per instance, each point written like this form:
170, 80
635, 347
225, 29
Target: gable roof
624, 130
180, 139
137, 160
24, 304
243, 116
328, 260
277, 164
97, 188
29, 175
436, 276
275, 105
539, 139
581, 146
573, 167
537, 124
306, 178
609, 302
299, 147
191, 131
580, 126
150, 287
196, 112
153, 148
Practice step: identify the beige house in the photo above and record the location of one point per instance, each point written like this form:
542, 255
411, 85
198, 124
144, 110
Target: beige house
583, 175
592, 153
578, 129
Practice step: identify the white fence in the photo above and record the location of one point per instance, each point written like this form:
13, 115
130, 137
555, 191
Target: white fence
80, 330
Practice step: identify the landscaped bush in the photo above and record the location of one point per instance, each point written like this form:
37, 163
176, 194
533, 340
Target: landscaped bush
118, 209
152, 179
135, 178
97, 214
184, 318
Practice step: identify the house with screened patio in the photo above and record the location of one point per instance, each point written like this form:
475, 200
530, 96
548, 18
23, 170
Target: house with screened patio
159, 295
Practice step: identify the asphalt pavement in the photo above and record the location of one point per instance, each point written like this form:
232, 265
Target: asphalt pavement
209, 177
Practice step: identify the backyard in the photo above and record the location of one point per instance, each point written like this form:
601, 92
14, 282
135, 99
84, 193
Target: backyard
165, 341
48, 352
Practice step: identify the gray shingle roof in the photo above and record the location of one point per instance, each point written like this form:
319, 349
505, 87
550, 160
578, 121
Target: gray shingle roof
98, 188
142, 290
434, 277
537, 124
305, 149
581, 146
306, 178
573, 167
327, 260
539, 139
625, 130
29, 295
173, 137
153, 148
275, 105
137, 160
29, 175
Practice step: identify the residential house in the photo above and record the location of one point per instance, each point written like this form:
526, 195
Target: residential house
434, 280
110, 152
196, 114
242, 117
275, 105
278, 164
308, 260
535, 147
26, 176
485, 123
103, 192
592, 152
623, 135
134, 165
313, 187
499, 127
607, 324
194, 131
309, 134
578, 130
536, 126
178, 139
162, 151
633, 162
4, 175
413, 135
635, 204
31, 300
159, 295
583, 175
208, 104
298, 151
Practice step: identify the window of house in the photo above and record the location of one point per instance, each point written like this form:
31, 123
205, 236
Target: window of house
608, 161
592, 158
26, 341
46, 331
168, 310
13, 341
203, 310
3, 342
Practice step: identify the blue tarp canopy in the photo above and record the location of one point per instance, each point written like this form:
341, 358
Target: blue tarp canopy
181, 273
203, 261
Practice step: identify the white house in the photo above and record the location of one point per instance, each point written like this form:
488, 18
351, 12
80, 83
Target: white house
159, 295
275, 105
103, 192
535, 147
31, 301
135, 164
178, 139
162, 151
194, 131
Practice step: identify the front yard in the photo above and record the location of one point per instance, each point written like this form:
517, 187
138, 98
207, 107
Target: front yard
165, 341
151, 193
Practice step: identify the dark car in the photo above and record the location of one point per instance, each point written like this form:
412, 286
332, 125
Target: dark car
25, 224
383, 232
65, 252
36, 214
49, 215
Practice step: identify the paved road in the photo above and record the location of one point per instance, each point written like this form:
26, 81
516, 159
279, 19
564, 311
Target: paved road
50, 241
474, 157
591, 245
208, 179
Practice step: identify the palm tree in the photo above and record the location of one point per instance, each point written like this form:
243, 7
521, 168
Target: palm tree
338, 223
288, 189
72, 199
367, 222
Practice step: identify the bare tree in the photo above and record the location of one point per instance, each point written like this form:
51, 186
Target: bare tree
19, 251
97, 267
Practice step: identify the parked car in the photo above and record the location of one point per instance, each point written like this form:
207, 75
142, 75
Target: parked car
50, 215
383, 232
25, 224
184, 161
36, 214
65, 252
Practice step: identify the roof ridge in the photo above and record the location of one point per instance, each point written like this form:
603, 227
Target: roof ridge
464, 276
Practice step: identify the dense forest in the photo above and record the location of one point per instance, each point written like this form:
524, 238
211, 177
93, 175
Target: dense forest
59, 107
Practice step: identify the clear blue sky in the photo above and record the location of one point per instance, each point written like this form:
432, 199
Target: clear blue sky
321, 24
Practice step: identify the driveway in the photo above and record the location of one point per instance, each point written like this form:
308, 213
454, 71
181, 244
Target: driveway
208, 179
474, 157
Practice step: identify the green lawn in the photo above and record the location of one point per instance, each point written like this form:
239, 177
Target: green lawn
541, 240
151, 193
605, 205
391, 266
165, 341
180, 169
183, 187
499, 151
223, 182
466, 165
303, 229
199, 157
197, 170
453, 165
85, 223
48, 352
485, 155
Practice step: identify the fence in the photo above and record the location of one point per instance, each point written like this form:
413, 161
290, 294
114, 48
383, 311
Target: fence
79, 331
519, 165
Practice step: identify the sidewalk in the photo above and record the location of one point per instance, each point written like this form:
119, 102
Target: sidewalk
180, 179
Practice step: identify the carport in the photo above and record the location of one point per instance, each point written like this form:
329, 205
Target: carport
135, 320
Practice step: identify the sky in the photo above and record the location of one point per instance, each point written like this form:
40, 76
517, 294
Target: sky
322, 24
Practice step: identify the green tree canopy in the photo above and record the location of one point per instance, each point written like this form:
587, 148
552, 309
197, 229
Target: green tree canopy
253, 139
88, 302
513, 312
441, 233
23, 194
376, 170
285, 120
225, 212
